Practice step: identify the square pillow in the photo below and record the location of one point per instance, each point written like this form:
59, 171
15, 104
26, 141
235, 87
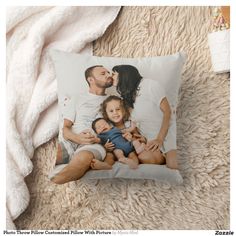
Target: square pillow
70, 68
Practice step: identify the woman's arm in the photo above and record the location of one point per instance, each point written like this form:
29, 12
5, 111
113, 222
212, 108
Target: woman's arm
165, 107
158, 142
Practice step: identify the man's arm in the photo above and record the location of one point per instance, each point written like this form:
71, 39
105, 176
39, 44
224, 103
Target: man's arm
81, 138
67, 132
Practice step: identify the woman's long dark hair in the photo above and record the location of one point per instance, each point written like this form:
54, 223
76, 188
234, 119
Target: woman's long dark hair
128, 82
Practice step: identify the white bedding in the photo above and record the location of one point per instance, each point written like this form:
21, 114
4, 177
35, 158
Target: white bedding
32, 113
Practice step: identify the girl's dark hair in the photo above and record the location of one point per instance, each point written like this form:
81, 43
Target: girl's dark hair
124, 108
129, 80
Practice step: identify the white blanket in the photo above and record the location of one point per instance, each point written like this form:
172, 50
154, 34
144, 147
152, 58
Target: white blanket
32, 115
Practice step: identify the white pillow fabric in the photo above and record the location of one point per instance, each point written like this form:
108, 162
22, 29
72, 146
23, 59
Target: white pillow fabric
159, 173
70, 68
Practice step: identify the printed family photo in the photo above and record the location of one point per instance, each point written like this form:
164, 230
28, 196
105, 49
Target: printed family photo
133, 124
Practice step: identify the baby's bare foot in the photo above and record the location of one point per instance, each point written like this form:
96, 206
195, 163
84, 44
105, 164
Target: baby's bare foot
139, 147
100, 165
132, 164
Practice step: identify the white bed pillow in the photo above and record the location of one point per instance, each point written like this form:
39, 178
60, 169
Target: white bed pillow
70, 68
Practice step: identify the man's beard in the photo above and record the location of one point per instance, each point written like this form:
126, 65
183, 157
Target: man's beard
107, 84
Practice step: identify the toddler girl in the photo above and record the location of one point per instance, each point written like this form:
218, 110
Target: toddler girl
114, 110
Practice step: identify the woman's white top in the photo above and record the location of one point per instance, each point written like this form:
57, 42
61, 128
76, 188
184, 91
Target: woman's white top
148, 114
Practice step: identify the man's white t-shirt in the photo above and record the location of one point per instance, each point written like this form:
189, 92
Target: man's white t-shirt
148, 114
83, 111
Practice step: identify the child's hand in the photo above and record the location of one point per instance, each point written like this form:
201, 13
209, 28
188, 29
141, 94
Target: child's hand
140, 138
97, 140
131, 129
128, 136
154, 145
109, 146
133, 126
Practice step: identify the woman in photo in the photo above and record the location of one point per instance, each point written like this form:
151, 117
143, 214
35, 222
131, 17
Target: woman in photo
150, 109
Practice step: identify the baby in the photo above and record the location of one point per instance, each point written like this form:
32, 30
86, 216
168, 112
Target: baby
124, 149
